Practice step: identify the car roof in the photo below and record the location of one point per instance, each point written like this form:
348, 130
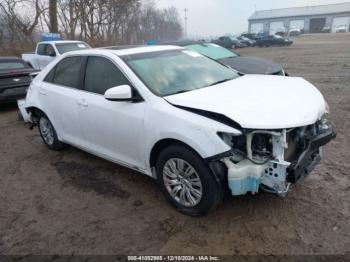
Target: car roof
121, 47
127, 51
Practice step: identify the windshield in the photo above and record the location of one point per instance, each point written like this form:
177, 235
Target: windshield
8, 65
176, 71
212, 51
67, 47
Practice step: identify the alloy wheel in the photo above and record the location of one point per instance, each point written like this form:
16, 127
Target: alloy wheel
182, 182
46, 130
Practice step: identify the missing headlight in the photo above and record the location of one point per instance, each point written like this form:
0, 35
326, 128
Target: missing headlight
262, 146
256, 147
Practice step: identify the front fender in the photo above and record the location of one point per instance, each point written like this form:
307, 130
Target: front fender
198, 132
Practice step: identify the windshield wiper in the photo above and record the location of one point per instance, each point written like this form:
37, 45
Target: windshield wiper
182, 91
222, 81
179, 92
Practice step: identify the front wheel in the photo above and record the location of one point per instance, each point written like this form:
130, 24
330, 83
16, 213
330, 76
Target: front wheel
48, 133
187, 182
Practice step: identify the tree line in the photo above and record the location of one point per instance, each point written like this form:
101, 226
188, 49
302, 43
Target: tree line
98, 22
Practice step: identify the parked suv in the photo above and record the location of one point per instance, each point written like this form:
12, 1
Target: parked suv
183, 119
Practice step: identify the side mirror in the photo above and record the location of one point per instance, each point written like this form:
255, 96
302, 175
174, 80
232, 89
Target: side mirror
119, 93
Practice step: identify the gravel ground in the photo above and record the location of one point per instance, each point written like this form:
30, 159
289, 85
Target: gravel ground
71, 202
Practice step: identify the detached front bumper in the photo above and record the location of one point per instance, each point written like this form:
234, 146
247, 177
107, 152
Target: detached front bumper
278, 174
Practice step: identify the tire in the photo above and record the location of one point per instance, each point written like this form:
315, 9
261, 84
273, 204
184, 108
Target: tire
19, 116
199, 189
48, 133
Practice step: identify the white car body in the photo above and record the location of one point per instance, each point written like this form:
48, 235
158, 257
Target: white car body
39, 61
341, 29
294, 31
126, 133
136, 124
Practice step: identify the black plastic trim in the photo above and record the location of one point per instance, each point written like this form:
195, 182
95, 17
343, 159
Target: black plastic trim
219, 156
133, 100
310, 157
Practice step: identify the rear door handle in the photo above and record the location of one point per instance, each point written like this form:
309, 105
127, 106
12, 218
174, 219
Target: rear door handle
42, 92
83, 103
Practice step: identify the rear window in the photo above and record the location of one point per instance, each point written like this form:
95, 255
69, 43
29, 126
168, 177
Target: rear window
12, 65
66, 72
212, 51
68, 47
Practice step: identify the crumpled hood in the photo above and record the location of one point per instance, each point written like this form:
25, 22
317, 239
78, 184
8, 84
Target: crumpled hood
252, 65
259, 102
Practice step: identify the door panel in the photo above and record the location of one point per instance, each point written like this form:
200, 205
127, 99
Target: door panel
257, 28
340, 21
61, 106
113, 129
297, 24
59, 95
276, 27
317, 24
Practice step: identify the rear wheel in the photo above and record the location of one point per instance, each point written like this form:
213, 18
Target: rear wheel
187, 182
48, 133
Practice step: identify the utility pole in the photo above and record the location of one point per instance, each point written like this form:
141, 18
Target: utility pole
186, 18
53, 16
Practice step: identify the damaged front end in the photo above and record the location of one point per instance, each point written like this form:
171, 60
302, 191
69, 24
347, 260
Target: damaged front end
273, 160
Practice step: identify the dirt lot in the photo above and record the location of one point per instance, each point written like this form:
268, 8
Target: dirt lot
71, 202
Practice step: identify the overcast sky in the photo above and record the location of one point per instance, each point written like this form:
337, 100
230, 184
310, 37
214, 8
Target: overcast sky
216, 17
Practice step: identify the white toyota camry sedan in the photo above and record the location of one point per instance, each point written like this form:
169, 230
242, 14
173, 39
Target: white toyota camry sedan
193, 124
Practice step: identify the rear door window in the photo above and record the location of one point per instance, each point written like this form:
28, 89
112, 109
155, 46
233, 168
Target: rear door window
67, 72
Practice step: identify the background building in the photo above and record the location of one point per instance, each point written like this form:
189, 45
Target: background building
311, 19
